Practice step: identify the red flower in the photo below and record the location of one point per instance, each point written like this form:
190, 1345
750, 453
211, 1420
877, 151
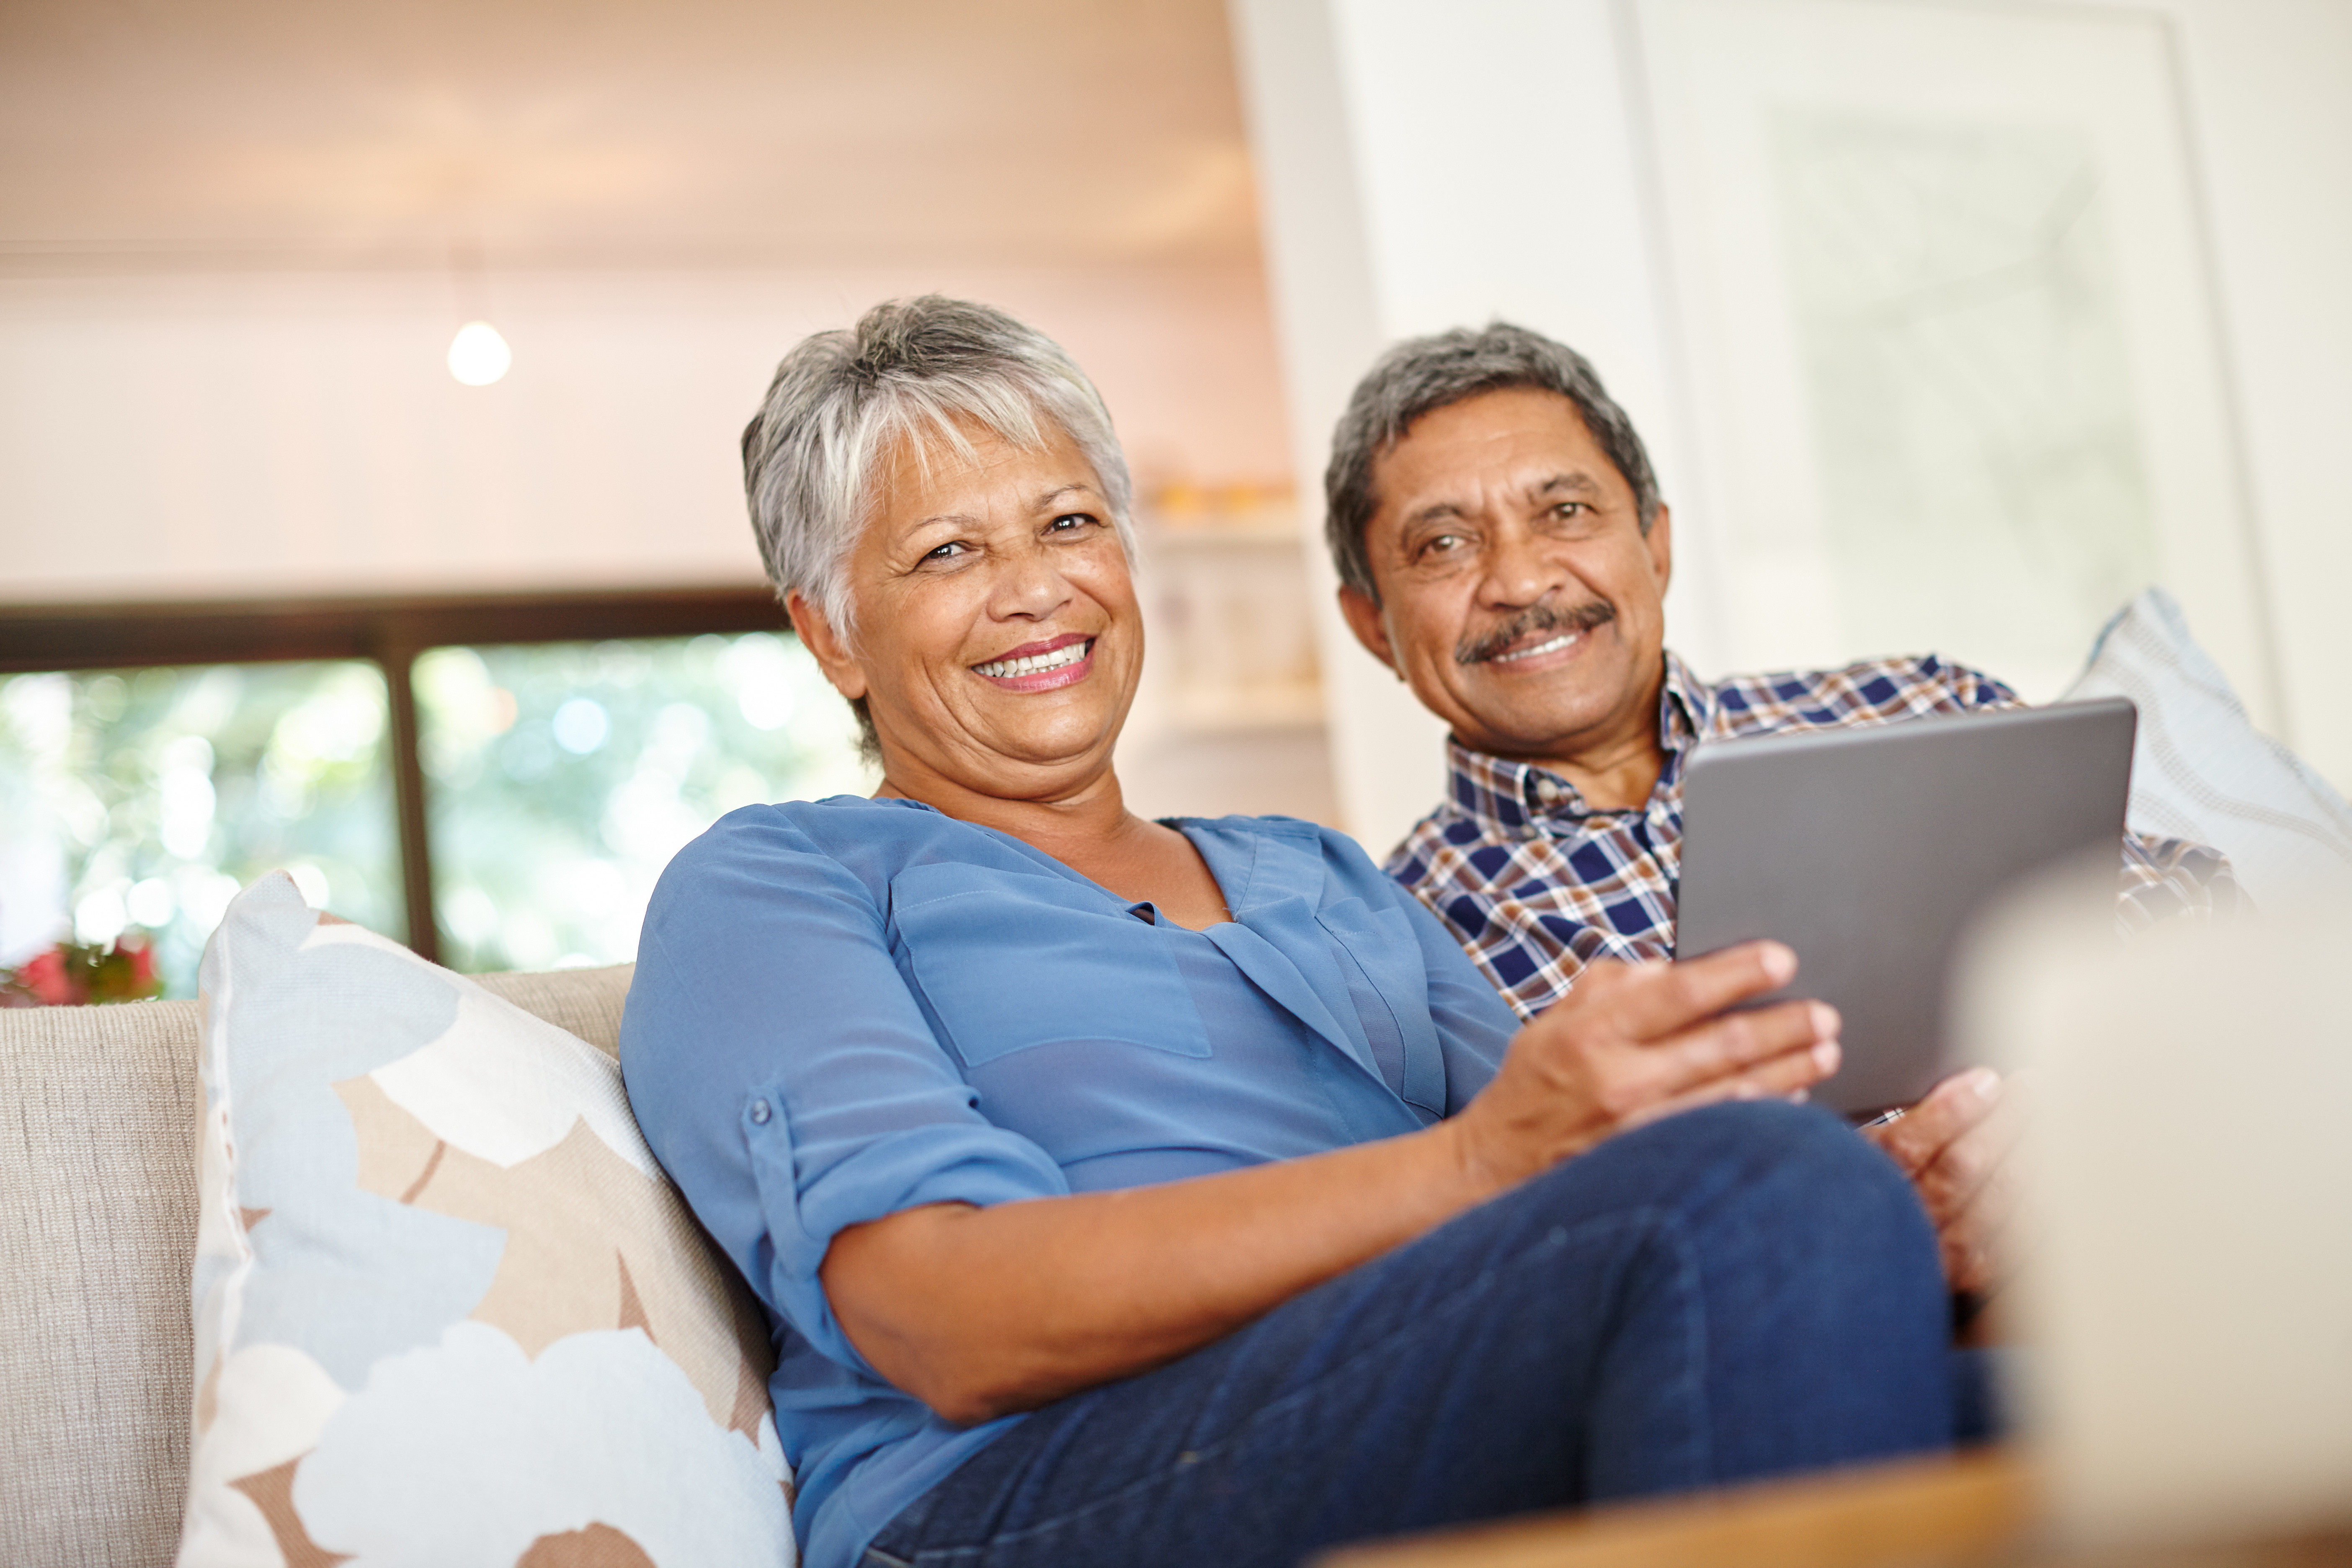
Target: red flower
47, 978
70, 976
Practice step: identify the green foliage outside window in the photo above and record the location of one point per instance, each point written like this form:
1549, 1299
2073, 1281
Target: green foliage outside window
145, 798
559, 780
562, 777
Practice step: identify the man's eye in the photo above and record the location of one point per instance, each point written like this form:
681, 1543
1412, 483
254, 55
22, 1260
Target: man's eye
1570, 511
1438, 545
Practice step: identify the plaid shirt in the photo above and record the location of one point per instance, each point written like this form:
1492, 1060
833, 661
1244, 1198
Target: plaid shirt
1535, 884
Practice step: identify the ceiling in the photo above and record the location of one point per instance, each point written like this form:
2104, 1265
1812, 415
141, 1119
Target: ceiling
202, 134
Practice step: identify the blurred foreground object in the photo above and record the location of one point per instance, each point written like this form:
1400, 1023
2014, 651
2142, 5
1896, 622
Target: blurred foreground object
73, 973
2185, 1296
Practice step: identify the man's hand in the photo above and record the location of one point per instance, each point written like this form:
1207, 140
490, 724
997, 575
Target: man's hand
1955, 1146
1635, 1042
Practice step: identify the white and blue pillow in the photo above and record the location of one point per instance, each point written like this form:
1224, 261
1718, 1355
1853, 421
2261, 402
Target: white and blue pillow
449, 1311
2200, 770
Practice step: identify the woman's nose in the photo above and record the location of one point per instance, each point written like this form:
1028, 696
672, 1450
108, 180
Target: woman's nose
1029, 585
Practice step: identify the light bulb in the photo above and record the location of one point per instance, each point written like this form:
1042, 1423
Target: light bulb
477, 355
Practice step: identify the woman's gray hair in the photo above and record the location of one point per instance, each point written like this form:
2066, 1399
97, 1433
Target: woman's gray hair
841, 399
1422, 375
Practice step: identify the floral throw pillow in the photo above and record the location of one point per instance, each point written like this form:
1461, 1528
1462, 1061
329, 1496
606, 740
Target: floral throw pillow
449, 1311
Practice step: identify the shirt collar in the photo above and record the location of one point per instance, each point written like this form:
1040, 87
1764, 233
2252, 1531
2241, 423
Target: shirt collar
1513, 795
1685, 707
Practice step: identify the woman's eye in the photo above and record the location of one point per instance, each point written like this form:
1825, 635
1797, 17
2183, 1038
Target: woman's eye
1069, 521
946, 551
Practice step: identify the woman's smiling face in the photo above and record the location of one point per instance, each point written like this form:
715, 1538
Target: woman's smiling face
998, 641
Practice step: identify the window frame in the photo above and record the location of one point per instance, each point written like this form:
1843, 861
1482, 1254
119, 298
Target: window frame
387, 630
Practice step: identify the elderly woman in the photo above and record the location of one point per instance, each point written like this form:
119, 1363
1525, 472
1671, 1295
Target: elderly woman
1132, 1193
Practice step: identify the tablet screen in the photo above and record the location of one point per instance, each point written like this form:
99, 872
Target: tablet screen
1870, 850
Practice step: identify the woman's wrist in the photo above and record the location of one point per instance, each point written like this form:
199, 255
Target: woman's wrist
1477, 1174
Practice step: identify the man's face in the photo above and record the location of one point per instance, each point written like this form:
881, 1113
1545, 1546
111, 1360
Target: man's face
1518, 595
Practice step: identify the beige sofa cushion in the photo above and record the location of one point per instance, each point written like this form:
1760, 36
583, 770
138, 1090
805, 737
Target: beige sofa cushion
97, 1118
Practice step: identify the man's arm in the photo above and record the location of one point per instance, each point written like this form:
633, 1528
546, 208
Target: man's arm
982, 1312
2167, 879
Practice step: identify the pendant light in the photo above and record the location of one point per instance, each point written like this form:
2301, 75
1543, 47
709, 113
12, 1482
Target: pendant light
479, 355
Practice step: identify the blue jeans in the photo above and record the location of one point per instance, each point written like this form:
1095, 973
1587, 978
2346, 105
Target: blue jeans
1730, 1293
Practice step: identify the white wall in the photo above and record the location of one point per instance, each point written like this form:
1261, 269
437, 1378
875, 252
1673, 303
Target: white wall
237, 434
2269, 84
1425, 167
1420, 170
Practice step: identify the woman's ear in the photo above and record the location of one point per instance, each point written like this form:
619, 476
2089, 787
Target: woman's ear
829, 648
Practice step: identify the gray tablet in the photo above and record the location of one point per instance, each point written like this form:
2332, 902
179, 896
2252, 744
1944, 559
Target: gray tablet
1868, 851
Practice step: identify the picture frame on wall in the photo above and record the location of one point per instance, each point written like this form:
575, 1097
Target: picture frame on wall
1954, 360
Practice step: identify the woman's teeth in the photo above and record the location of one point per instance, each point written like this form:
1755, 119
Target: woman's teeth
1558, 642
1037, 663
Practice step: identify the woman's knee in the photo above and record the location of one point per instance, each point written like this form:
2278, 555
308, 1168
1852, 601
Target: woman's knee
1766, 1161
1792, 1190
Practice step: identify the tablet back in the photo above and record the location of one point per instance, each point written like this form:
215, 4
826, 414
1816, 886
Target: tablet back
1869, 851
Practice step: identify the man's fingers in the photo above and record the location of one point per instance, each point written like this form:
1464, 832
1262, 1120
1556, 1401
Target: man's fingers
1951, 1110
1656, 1001
1972, 1266
1956, 1147
1963, 1168
1994, 1205
1976, 1238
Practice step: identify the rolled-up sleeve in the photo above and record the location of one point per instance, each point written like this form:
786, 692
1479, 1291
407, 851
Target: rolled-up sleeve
784, 1073
2170, 879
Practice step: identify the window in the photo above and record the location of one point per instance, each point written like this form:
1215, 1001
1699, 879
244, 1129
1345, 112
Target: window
148, 797
564, 776
499, 780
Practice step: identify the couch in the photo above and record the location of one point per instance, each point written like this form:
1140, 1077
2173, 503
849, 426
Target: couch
98, 1124
98, 1117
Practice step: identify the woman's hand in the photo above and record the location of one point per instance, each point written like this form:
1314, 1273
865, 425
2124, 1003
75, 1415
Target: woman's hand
1635, 1042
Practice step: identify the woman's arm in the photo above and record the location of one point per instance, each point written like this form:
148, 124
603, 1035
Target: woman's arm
982, 1312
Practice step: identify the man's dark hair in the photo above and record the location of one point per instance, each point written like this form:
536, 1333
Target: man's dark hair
1422, 375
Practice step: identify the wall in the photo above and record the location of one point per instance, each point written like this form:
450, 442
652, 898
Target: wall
246, 434
2269, 84
249, 435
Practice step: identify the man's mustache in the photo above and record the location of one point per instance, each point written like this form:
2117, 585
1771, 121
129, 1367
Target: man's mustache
1535, 619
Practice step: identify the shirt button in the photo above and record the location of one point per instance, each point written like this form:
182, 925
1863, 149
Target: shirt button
1547, 792
760, 1112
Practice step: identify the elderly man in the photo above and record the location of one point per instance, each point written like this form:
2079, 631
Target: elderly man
1501, 545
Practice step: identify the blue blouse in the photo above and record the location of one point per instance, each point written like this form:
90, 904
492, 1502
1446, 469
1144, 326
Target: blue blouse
847, 1007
